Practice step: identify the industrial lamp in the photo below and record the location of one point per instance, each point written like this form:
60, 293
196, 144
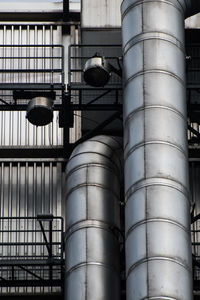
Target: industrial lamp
97, 71
40, 111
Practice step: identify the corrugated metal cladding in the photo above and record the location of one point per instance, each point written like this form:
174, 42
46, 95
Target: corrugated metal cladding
101, 13
195, 197
15, 130
30, 188
26, 190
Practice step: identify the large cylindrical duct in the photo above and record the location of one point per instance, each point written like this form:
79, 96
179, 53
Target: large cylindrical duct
92, 220
158, 249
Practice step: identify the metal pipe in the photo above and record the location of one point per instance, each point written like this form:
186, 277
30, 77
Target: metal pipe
158, 246
92, 220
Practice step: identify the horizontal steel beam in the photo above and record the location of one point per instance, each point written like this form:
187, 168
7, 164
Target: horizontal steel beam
31, 71
39, 16
26, 283
31, 86
26, 244
31, 94
30, 262
96, 107
29, 152
73, 107
23, 107
80, 86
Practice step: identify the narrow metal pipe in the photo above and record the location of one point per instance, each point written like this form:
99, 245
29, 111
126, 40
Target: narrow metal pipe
92, 220
158, 247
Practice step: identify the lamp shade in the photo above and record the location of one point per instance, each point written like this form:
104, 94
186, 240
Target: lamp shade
39, 111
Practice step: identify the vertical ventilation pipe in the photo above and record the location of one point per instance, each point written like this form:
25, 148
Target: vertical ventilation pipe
92, 220
158, 249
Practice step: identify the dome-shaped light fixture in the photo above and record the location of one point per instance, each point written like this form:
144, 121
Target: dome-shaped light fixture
39, 111
96, 71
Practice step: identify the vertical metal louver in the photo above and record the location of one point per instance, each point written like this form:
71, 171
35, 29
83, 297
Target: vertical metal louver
28, 189
15, 128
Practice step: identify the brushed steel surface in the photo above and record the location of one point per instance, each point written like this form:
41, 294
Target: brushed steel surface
158, 249
100, 14
92, 219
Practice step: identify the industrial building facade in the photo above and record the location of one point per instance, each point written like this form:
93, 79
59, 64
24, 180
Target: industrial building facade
99, 150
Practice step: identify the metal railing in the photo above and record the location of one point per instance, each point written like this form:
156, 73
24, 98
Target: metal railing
30, 68
31, 251
79, 54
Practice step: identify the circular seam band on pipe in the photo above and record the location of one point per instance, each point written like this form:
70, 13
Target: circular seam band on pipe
144, 183
143, 108
155, 142
149, 71
91, 263
91, 224
141, 2
151, 36
160, 258
103, 187
161, 220
100, 165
